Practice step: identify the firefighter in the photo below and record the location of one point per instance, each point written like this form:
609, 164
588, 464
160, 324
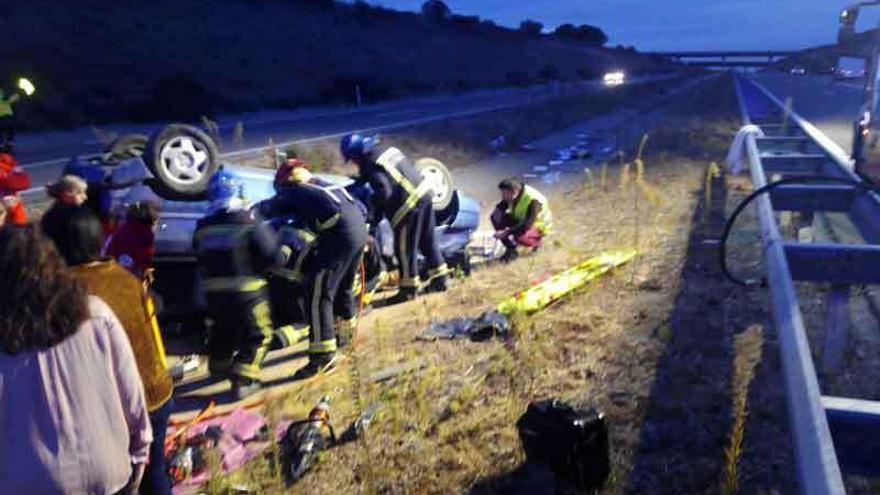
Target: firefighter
521, 218
7, 118
287, 284
340, 235
404, 198
13, 180
236, 251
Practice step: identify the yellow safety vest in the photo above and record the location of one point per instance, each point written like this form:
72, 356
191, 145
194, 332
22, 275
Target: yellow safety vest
520, 209
388, 161
5, 108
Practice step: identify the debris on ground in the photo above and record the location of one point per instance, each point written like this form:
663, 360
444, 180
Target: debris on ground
496, 322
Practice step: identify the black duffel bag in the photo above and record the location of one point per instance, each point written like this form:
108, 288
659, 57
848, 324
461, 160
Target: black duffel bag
572, 444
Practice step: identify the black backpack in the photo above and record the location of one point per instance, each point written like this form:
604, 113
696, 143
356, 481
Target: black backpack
573, 444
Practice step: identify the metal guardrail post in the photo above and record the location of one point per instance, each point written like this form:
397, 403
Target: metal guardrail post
818, 470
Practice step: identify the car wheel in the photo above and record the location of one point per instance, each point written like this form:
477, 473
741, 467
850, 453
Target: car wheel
440, 179
182, 159
125, 147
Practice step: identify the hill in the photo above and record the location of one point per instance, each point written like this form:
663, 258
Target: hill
96, 61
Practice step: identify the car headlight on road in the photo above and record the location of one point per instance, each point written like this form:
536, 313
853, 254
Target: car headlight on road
614, 78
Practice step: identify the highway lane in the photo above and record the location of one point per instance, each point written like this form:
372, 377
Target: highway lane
43, 154
830, 106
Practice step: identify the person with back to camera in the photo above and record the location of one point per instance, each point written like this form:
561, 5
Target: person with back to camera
128, 297
73, 415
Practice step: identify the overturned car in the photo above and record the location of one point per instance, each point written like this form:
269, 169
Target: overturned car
173, 167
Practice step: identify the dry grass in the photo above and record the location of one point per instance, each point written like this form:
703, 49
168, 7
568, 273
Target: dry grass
447, 425
450, 426
748, 347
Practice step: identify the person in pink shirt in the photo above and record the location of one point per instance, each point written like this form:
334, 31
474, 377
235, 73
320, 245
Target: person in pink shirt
73, 416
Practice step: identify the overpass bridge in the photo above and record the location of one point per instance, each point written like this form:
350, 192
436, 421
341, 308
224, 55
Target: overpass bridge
730, 58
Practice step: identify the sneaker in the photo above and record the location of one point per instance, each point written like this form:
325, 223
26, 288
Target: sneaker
509, 255
318, 363
243, 388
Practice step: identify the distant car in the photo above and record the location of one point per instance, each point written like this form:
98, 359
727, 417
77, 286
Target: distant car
798, 71
173, 168
614, 78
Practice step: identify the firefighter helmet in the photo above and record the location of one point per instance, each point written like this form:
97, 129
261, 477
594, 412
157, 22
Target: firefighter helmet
356, 146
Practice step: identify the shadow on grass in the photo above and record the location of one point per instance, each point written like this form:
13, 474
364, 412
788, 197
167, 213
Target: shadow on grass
684, 432
528, 479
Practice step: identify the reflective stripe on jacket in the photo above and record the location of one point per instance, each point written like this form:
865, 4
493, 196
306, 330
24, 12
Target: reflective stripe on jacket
390, 162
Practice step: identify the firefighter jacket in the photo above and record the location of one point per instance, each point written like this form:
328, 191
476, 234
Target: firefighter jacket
397, 185
324, 209
235, 250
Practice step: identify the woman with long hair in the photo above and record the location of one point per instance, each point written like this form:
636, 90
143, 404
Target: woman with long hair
80, 245
73, 417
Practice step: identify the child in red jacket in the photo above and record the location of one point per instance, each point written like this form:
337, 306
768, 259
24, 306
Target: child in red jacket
133, 244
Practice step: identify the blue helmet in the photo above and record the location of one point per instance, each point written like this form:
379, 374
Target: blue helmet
225, 193
223, 186
356, 146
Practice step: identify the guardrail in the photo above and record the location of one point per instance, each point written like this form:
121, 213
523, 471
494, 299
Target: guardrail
831, 435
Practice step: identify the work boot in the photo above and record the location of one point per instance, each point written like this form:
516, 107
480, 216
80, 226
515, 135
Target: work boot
509, 255
219, 368
439, 284
318, 363
288, 335
243, 388
404, 294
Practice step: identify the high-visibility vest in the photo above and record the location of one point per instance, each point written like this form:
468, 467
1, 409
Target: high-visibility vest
389, 161
520, 209
5, 108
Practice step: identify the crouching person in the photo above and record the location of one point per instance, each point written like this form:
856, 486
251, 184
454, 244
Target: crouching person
235, 252
79, 241
288, 287
522, 218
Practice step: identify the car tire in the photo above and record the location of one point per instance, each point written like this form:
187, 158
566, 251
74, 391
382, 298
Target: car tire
125, 147
441, 181
182, 160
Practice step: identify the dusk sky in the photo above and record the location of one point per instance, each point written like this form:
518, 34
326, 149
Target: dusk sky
674, 24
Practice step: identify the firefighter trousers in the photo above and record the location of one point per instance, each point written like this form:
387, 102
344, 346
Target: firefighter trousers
331, 291
7, 131
242, 332
415, 234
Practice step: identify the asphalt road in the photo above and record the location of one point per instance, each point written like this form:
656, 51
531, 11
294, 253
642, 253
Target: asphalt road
43, 154
831, 106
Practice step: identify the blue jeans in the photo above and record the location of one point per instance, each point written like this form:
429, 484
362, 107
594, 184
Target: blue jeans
156, 481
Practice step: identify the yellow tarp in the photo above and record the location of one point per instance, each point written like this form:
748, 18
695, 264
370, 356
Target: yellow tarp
551, 290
